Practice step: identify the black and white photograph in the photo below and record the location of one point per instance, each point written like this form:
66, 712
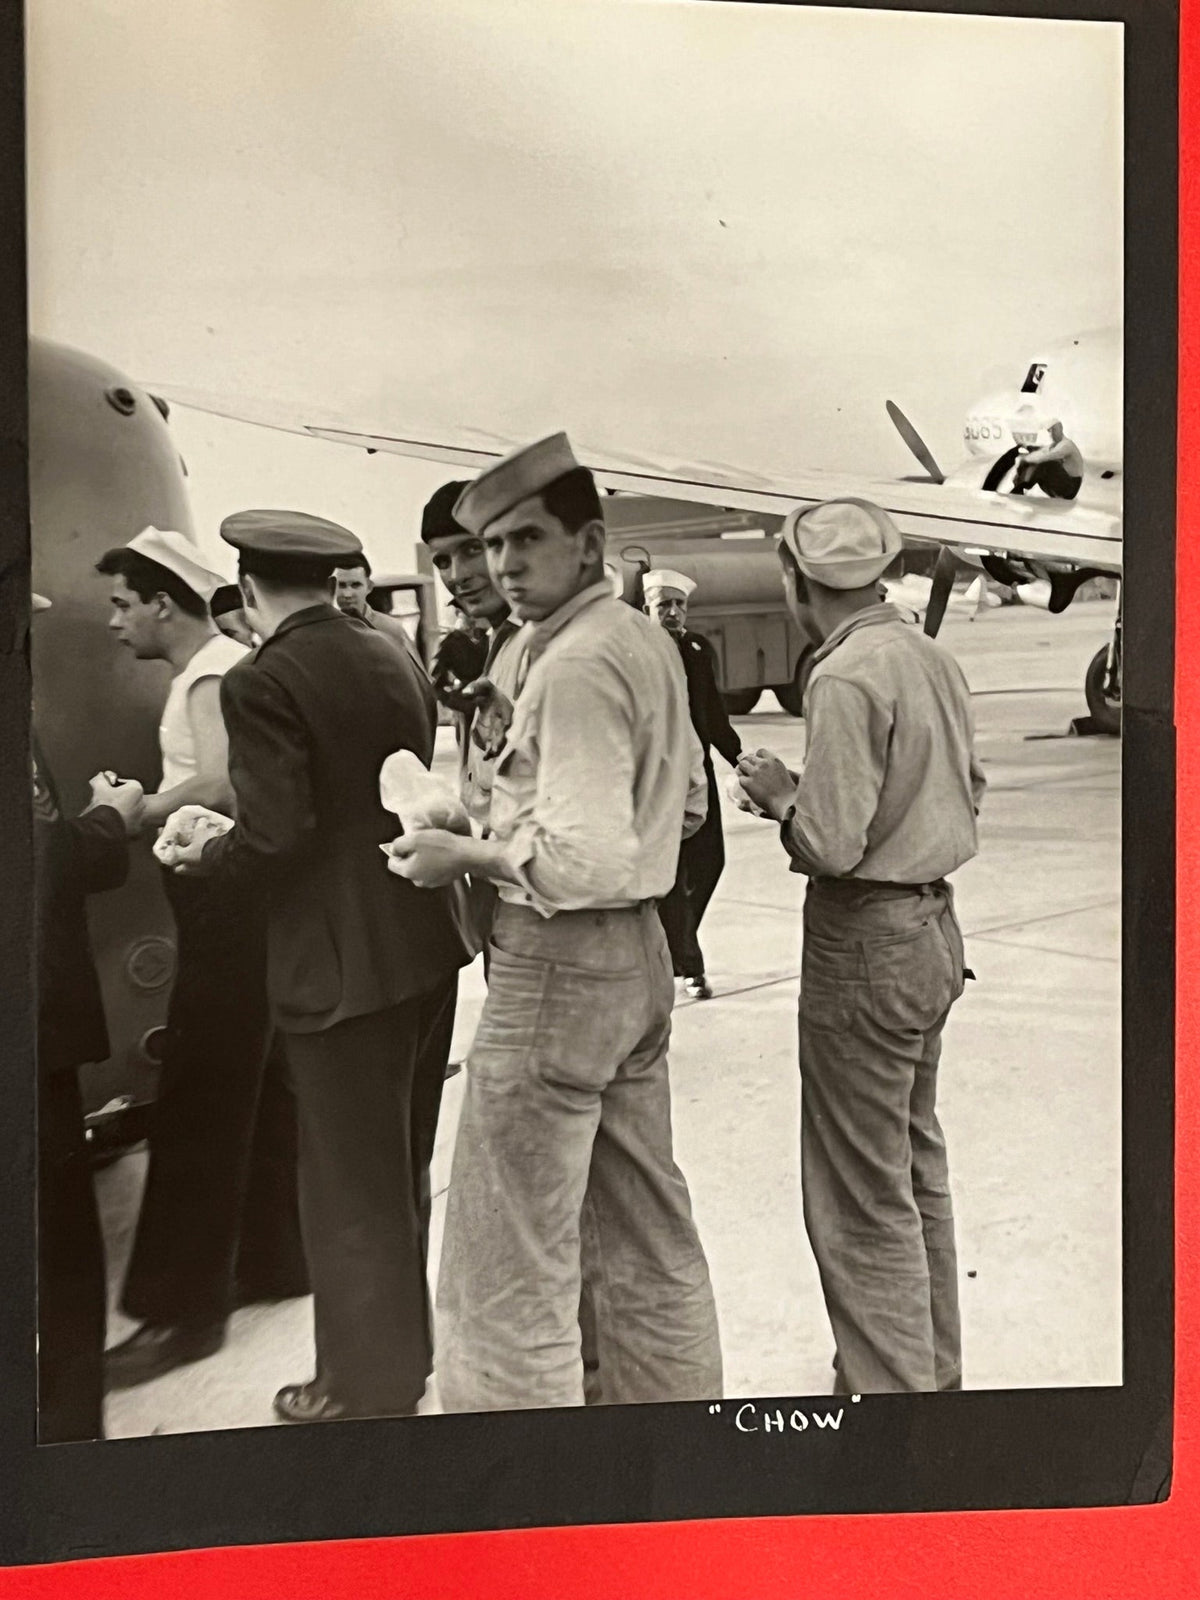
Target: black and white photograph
576, 622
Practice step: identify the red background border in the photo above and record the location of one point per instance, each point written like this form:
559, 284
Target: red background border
1101, 1555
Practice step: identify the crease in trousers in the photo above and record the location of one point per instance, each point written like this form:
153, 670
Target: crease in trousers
701, 863
368, 1094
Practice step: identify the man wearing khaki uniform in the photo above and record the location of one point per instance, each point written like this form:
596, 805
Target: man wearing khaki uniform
883, 813
563, 1169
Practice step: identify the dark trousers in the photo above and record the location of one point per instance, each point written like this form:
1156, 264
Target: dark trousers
881, 968
368, 1093
701, 863
220, 1198
71, 1280
1051, 476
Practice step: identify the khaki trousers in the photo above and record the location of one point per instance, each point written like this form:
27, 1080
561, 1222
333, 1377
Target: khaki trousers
882, 965
563, 1173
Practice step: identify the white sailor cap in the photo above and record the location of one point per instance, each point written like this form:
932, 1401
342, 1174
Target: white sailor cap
665, 578
179, 555
843, 544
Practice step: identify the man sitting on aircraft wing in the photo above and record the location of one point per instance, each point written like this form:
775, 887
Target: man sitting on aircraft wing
1056, 469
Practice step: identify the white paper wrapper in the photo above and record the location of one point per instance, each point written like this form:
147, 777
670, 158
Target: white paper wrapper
735, 792
418, 798
187, 826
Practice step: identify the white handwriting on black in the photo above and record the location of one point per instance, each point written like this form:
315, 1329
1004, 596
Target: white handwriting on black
749, 1419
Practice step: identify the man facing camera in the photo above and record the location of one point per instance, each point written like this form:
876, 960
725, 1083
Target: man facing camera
702, 856
563, 1167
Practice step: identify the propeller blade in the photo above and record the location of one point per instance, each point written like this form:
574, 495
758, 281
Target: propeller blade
915, 442
939, 590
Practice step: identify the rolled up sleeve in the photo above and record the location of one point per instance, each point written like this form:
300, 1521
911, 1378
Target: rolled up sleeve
580, 846
838, 794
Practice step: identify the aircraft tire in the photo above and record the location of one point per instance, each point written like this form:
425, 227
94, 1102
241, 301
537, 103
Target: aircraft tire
791, 695
1105, 712
741, 702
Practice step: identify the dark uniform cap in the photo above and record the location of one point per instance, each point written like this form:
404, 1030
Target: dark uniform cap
438, 520
227, 598
289, 536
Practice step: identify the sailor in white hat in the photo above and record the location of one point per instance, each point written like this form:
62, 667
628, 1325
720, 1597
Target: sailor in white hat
702, 854
180, 1283
884, 811
567, 1108
159, 594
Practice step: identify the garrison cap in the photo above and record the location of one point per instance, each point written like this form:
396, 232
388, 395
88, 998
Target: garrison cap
523, 473
437, 519
289, 536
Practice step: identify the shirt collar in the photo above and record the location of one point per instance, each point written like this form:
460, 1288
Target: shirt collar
539, 634
868, 617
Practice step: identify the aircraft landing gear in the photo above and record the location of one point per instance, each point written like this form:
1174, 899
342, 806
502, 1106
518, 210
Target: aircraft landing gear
1102, 685
791, 695
741, 702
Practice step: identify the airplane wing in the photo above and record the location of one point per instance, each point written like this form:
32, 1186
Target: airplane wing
973, 521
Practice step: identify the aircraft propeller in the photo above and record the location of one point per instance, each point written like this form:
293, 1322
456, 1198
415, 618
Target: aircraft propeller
915, 443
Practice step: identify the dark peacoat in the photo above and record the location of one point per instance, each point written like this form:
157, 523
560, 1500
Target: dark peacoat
311, 717
74, 857
709, 716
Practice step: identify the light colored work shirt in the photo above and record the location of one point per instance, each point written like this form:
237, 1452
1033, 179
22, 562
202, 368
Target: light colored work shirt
176, 738
602, 773
891, 785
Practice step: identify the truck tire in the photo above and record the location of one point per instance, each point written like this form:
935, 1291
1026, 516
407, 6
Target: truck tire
1105, 711
741, 702
791, 695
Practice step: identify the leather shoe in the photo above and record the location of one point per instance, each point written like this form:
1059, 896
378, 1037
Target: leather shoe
153, 1350
698, 987
312, 1402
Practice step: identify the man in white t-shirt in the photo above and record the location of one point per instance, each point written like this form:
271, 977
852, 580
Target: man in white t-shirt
218, 1119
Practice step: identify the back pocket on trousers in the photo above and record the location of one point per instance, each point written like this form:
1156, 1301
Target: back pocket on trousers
913, 981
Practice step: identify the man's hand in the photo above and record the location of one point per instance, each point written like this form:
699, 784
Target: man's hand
459, 660
493, 716
181, 844
430, 857
124, 795
768, 782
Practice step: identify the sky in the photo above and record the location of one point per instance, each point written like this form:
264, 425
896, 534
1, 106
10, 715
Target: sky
689, 231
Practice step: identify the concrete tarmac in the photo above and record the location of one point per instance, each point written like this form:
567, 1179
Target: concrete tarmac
1029, 1093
